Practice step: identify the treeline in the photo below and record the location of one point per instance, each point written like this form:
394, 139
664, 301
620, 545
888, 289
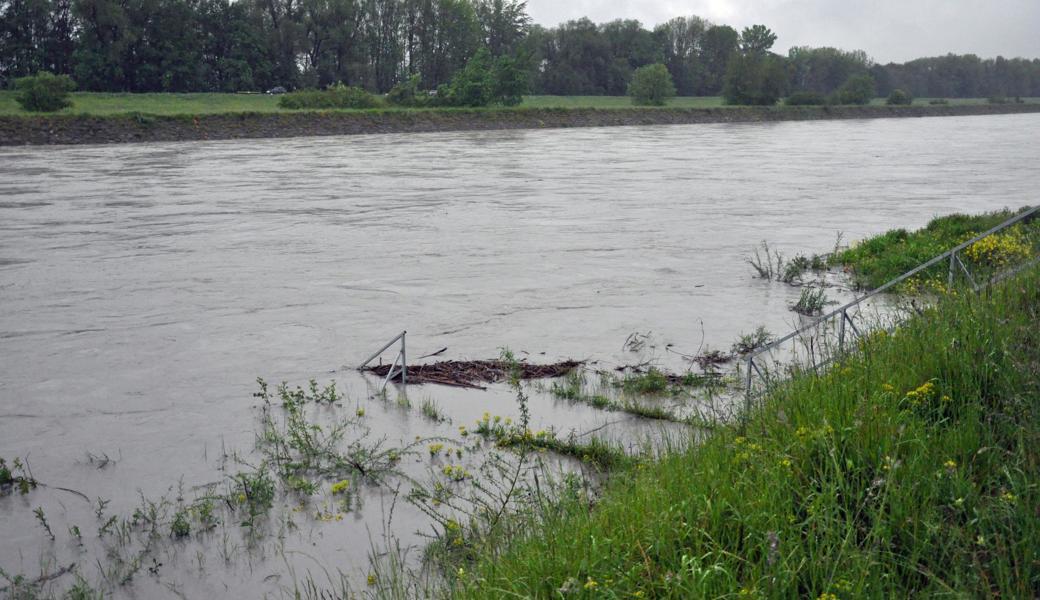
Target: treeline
249, 45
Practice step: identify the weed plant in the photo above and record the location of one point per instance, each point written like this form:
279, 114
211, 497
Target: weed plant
911, 469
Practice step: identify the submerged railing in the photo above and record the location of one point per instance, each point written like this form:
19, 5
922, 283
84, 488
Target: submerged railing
400, 361
828, 337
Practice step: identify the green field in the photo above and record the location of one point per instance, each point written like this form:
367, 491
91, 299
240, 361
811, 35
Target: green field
100, 104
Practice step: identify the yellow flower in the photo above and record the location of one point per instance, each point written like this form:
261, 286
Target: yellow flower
435, 449
371, 579
241, 498
785, 463
888, 387
827, 596
1008, 497
590, 583
950, 464
360, 412
340, 487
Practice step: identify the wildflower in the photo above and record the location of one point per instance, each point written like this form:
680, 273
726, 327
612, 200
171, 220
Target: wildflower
1008, 497
435, 449
461, 572
590, 583
827, 596
371, 579
740, 440
959, 502
340, 487
888, 387
785, 463
950, 464
360, 412
242, 498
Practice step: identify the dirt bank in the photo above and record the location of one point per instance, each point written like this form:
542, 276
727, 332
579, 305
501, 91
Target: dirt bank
80, 129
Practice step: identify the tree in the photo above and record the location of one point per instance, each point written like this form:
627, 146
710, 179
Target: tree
753, 74
508, 81
858, 89
756, 40
718, 46
44, 92
651, 85
680, 41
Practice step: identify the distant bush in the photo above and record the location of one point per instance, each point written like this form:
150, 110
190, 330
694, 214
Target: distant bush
998, 100
858, 89
407, 93
44, 92
334, 96
899, 97
805, 99
485, 81
651, 85
938, 101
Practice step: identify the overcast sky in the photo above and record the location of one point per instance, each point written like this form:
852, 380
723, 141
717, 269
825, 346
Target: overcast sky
888, 30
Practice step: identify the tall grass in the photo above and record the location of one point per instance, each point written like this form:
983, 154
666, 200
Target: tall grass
911, 469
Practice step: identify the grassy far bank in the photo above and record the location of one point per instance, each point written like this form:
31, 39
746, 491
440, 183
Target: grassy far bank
101, 104
913, 468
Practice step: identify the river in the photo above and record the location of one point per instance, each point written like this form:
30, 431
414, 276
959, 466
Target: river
144, 288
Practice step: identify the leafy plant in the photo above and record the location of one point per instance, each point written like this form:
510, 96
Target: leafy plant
858, 89
651, 85
899, 98
805, 99
811, 302
44, 92
334, 96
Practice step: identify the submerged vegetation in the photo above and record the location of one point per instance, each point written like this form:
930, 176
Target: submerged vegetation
910, 468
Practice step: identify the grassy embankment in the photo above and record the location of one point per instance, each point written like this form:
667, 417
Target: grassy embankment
913, 468
881, 258
102, 104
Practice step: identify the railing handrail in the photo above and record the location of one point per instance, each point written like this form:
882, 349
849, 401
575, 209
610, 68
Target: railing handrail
402, 356
857, 301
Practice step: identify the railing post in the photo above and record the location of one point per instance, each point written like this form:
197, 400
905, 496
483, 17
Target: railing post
747, 389
841, 332
404, 360
953, 263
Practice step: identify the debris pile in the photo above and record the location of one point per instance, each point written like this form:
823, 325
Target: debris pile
471, 373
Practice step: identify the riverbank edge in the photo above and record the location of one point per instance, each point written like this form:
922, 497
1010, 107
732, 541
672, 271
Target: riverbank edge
654, 529
135, 127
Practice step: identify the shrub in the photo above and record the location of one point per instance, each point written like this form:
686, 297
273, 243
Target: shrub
334, 96
44, 92
899, 97
998, 100
485, 80
858, 89
805, 99
651, 85
407, 93
938, 102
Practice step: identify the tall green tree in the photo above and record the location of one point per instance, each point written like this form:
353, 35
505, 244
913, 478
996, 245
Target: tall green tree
754, 75
719, 44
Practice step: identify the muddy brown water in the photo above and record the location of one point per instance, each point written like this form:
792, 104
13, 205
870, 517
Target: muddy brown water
143, 288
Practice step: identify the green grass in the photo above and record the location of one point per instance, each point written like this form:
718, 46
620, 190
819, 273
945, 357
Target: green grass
881, 258
911, 470
101, 104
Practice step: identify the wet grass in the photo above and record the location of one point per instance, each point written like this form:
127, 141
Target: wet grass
911, 469
881, 258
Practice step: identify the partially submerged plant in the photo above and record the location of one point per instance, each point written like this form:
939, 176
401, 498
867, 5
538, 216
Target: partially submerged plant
811, 302
749, 342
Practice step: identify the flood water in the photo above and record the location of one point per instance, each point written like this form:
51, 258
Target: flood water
144, 288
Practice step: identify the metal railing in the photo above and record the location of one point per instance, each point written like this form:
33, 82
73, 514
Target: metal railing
827, 338
400, 361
